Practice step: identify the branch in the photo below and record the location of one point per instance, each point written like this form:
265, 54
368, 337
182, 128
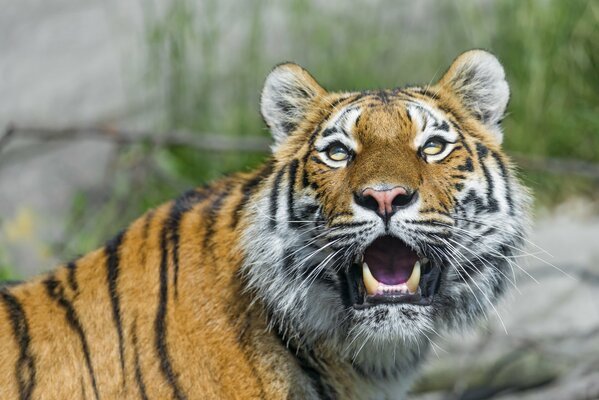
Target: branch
200, 141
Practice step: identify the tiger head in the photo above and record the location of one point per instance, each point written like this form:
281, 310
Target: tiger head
388, 214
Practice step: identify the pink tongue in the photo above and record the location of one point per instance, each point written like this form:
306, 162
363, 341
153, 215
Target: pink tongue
390, 260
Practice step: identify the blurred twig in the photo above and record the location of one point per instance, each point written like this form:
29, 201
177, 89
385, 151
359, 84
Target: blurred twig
5, 138
222, 143
557, 165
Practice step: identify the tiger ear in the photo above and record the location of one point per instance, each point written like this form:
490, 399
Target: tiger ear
287, 95
478, 80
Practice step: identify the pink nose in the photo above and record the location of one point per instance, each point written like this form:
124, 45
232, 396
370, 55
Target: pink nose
384, 202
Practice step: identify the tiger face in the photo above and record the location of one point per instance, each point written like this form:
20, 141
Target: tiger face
389, 215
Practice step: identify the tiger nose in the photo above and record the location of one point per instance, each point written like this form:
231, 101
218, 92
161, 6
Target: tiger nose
385, 202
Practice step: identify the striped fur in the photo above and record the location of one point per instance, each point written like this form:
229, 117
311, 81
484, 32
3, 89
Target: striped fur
239, 289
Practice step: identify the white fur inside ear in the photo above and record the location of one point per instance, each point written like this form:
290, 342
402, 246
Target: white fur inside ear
287, 93
478, 78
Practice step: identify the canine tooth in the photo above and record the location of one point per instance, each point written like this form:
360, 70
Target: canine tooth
414, 280
370, 283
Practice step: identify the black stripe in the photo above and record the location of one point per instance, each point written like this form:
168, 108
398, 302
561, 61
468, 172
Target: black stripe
248, 189
309, 213
305, 361
451, 111
506, 176
428, 222
212, 215
467, 165
243, 320
274, 196
112, 266
25, 366
443, 126
182, 204
382, 96
160, 323
338, 214
305, 180
482, 152
472, 197
461, 135
348, 288
138, 374
329, 131
492, 205
351, 224
428, 93
324, 391
291, 190
71, 276
319, 161
145, 233
56, 292
357, 121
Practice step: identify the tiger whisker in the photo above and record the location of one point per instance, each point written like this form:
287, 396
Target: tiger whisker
487, 263
500, 229
495, 252
480, 289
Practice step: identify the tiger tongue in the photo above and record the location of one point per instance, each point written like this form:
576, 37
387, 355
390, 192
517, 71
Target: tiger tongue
390, 260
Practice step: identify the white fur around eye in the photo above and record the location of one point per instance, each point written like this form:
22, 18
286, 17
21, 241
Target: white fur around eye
427, 121
341, 124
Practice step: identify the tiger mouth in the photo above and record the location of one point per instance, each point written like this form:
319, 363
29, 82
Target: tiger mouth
390, 272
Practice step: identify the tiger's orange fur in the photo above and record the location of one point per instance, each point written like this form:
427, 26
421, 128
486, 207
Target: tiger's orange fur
163, 310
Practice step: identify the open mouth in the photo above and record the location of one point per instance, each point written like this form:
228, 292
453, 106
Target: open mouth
389, 271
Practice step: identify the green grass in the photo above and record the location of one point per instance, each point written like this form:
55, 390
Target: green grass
551, 53
208, 60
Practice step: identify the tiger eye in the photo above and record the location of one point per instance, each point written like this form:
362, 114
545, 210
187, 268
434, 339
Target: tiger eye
337, 153
433, 147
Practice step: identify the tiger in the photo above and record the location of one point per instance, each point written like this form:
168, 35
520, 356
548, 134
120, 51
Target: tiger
380, 219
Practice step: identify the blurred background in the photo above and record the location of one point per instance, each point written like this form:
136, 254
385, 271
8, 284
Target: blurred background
110, 107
